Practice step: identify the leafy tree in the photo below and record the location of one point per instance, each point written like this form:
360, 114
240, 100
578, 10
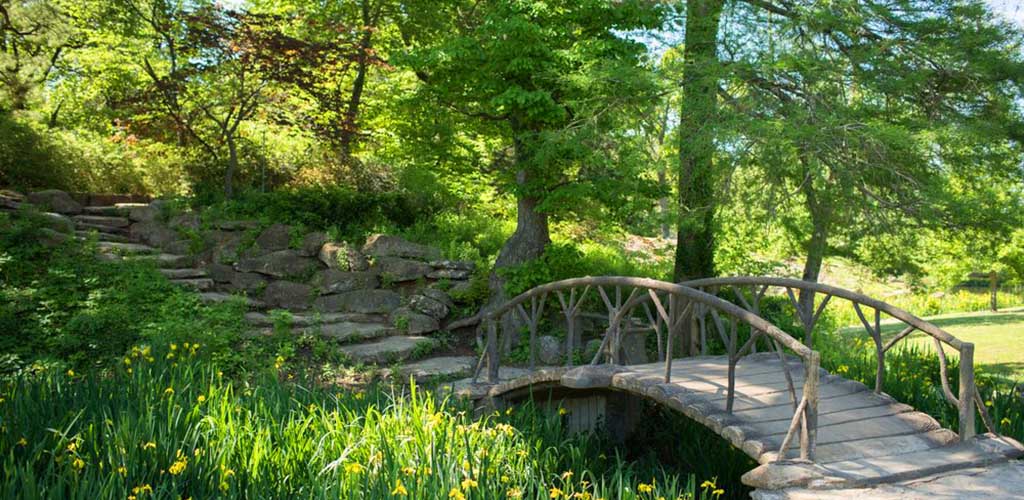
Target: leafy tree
550, 78
33, 36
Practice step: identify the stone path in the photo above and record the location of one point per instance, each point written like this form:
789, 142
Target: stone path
363, 338
863, 438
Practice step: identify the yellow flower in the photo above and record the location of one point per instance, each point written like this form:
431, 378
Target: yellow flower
229, 473
583, 495
399, 489
72, 446
78, 463
354, 468
707, 484
145, 488
201, 398
170, 355
174, 347
468, 483
129, 371
514, 493
1005, 421
71, 373
359, 396
521, 453
169, 391
409, 471
988, 404
556, 493
455, 494
23, 441
719, 492
128, 361
566, 475
122, 470
179, 465
563, 412
504, 478
149, 446
645, 488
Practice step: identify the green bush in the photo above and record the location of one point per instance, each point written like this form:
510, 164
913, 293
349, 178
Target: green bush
28, 159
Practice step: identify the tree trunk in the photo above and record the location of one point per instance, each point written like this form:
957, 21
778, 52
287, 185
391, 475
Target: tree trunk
229, 174
695, 244
532, 234
666, 232
348, 134
817, 245
993, 291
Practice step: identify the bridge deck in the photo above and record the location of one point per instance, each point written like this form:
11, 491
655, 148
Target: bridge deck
863, 437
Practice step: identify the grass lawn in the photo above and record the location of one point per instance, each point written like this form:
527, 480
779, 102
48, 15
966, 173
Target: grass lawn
998, 337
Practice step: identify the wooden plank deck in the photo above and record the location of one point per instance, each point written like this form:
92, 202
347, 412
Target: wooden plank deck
863, 437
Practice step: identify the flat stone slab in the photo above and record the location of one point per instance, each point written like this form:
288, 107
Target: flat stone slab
217, 298
100, 220
124, 248
388, 350
178, 274
200, 284
309, 319
103, 236
442, 366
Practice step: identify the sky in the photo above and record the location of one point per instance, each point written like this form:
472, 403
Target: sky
1011, 9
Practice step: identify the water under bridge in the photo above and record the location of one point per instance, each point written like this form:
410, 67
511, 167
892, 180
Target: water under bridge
767, 394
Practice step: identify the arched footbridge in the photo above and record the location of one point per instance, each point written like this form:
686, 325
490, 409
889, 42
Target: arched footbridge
767, 393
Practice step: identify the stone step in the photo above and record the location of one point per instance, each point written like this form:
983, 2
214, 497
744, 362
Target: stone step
260, 319
345, 332
218, 297
200, 284
186, 273
390, 349
124, 248
441, 367
102, 220
168, 260
106, 211
84, 226
102, 236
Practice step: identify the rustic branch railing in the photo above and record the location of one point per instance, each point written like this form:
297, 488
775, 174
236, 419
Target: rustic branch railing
674, 306
967, 401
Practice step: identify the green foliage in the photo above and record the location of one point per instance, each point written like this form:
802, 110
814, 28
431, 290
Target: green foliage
28, 159
177, 427
570, 260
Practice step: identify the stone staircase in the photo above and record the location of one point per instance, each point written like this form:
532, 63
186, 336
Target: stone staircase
366, 333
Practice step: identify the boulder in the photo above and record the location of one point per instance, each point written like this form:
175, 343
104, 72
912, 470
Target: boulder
549, 350
382, 245
342, 256
288, 295
280, 264
312, 243
440, 367
56, 201
58, 222
398, 269
360, 301
50, 238
449, 274
455, 265
187, 220
222, 245
145, 213
237, 225
247, 282
412, 322
10, 200
429, 306
337, 281
276, 237
389, 349
438, 295
153, 233
179, 247
221, 273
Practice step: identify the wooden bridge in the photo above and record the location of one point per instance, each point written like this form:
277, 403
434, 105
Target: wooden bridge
807, 428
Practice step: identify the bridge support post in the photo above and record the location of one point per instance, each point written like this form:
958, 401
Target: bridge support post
967, 390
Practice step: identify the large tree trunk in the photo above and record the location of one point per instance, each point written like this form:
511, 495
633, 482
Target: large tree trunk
229, 174
695, 244
817, 245
348, 134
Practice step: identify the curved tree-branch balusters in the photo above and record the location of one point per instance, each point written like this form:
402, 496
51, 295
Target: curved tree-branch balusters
673, 307
968, 399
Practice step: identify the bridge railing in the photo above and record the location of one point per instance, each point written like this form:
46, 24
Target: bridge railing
673, 307
810, 299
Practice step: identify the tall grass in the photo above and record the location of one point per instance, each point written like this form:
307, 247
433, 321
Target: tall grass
166, 425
